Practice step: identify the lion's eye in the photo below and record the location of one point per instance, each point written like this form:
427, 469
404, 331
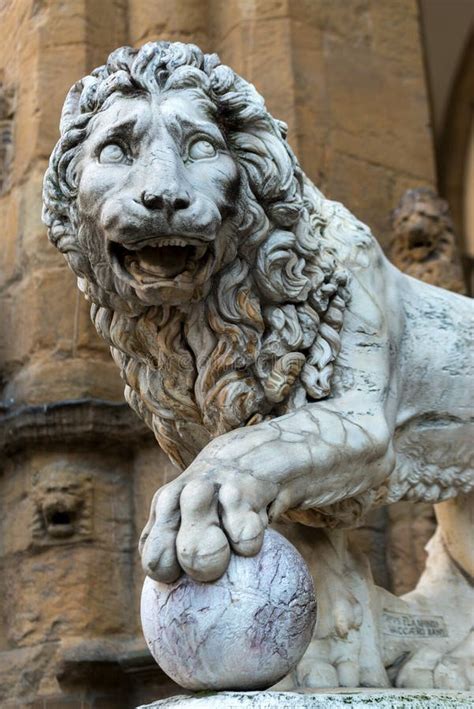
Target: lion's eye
202, 149
112, 153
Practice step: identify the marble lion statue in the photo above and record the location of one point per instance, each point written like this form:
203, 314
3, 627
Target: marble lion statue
285, 366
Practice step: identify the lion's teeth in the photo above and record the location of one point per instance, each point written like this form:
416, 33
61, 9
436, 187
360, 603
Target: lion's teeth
174, 241
171, 242
151, 262
199, 252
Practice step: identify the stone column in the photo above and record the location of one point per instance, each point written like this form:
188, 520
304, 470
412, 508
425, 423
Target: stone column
348, 78
66, 438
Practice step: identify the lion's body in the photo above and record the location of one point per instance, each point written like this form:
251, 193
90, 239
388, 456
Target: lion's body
425, 334
410, 344
435, 418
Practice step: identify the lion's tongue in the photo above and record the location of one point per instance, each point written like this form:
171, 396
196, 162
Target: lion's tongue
164, 261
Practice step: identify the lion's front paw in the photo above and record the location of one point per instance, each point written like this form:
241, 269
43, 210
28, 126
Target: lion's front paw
197, 519
337, 660
345, 649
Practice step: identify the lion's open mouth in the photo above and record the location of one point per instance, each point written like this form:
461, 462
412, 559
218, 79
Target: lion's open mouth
164, 259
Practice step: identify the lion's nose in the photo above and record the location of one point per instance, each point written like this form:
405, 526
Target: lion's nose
168, 200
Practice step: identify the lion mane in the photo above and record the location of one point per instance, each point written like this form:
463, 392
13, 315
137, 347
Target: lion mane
263, 339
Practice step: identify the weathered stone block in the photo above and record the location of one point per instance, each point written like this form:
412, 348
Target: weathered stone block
58, 378
10, 253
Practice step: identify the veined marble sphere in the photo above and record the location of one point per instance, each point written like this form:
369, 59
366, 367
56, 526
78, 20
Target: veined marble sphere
246, 630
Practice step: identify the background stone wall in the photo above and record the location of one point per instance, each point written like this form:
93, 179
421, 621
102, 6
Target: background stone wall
77, 468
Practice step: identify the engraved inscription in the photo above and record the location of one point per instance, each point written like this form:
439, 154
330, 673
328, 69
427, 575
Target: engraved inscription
421, 626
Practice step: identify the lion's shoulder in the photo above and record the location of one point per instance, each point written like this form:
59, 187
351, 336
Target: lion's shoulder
350, 240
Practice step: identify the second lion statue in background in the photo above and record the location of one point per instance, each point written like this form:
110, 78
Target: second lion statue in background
282, 362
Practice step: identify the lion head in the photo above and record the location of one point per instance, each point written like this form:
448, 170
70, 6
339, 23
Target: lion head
204, 250
424, 243
62, 498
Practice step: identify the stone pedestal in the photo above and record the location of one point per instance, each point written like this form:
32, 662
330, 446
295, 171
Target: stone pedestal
343, 699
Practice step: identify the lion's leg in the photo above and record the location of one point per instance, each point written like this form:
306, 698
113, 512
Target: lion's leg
311, 458
345, 650
425, 638
446, 590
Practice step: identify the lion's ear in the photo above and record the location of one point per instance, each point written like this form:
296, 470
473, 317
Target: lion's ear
71, 106
282, 127
82, 90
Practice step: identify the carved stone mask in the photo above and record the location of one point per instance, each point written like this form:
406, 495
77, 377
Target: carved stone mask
62, 504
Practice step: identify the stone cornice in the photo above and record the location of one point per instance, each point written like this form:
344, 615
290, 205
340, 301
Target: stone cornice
69, 421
